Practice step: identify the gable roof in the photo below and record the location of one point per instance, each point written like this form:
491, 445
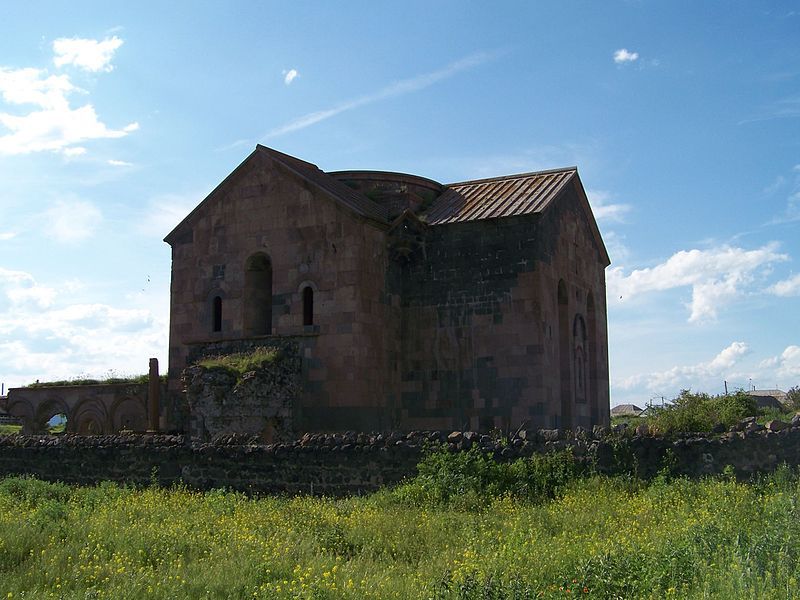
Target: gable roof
335, 189
341, 192
776, 393
496, 197
508, 196
626, 409
512, 195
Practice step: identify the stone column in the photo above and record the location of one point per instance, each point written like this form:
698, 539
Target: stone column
153, 393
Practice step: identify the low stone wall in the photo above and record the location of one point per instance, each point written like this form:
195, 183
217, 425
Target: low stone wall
351, 463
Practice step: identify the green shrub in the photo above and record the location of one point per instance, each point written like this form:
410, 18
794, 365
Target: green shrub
698, 412
472, 478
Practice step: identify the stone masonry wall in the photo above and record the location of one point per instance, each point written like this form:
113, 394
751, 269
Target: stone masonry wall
349, 463
481, 332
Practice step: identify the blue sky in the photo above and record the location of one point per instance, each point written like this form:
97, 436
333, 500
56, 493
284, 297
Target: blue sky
682, 117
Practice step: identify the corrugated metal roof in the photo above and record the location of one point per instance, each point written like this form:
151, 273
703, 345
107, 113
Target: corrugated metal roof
521, 194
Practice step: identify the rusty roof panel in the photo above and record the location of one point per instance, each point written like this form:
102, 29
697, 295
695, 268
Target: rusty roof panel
498, 197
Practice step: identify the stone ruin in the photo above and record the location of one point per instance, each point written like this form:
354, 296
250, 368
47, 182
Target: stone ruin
256, 403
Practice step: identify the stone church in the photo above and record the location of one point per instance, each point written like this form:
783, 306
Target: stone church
412, 304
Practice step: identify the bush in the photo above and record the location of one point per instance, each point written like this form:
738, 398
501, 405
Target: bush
793, 398
472, 479
697, 412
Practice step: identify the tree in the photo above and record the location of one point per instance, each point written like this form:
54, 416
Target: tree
793, 397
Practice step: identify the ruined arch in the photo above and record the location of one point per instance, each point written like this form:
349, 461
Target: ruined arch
24, 412
47, 410
257, 296
129, 414
89, 418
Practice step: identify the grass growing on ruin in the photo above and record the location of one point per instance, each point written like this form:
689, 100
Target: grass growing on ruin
111, 379
241, 363
596, 538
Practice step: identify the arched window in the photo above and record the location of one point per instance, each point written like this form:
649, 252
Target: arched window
592, 359
579, 346
308, 306
564, 355
216, 314
258, 295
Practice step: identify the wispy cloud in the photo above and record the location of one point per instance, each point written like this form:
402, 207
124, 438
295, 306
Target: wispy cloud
289, 76
784, 108
604, 209
164, 212
72, 220
7, 235
787, 287
398, 88
623, 56
716, 276
89, 55
789, 185
119, 163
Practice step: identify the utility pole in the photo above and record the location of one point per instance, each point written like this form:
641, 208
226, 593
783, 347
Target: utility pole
726, 386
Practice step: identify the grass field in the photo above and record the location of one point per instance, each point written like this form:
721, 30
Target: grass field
598, 538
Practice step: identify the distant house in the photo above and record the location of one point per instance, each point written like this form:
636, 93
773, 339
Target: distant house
626, 410
768, 398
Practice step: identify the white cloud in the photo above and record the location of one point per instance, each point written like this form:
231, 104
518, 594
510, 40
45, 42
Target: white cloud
787, 287
53, 125
34, 86
786, 365
688, 376
21, 290
51, 335
119, 163
89, 55
623, 56
7, 235
398, 88
74, 151
603, 209
289, 76
72, 221
716, 276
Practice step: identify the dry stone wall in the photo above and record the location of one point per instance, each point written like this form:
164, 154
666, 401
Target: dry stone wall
351, 463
